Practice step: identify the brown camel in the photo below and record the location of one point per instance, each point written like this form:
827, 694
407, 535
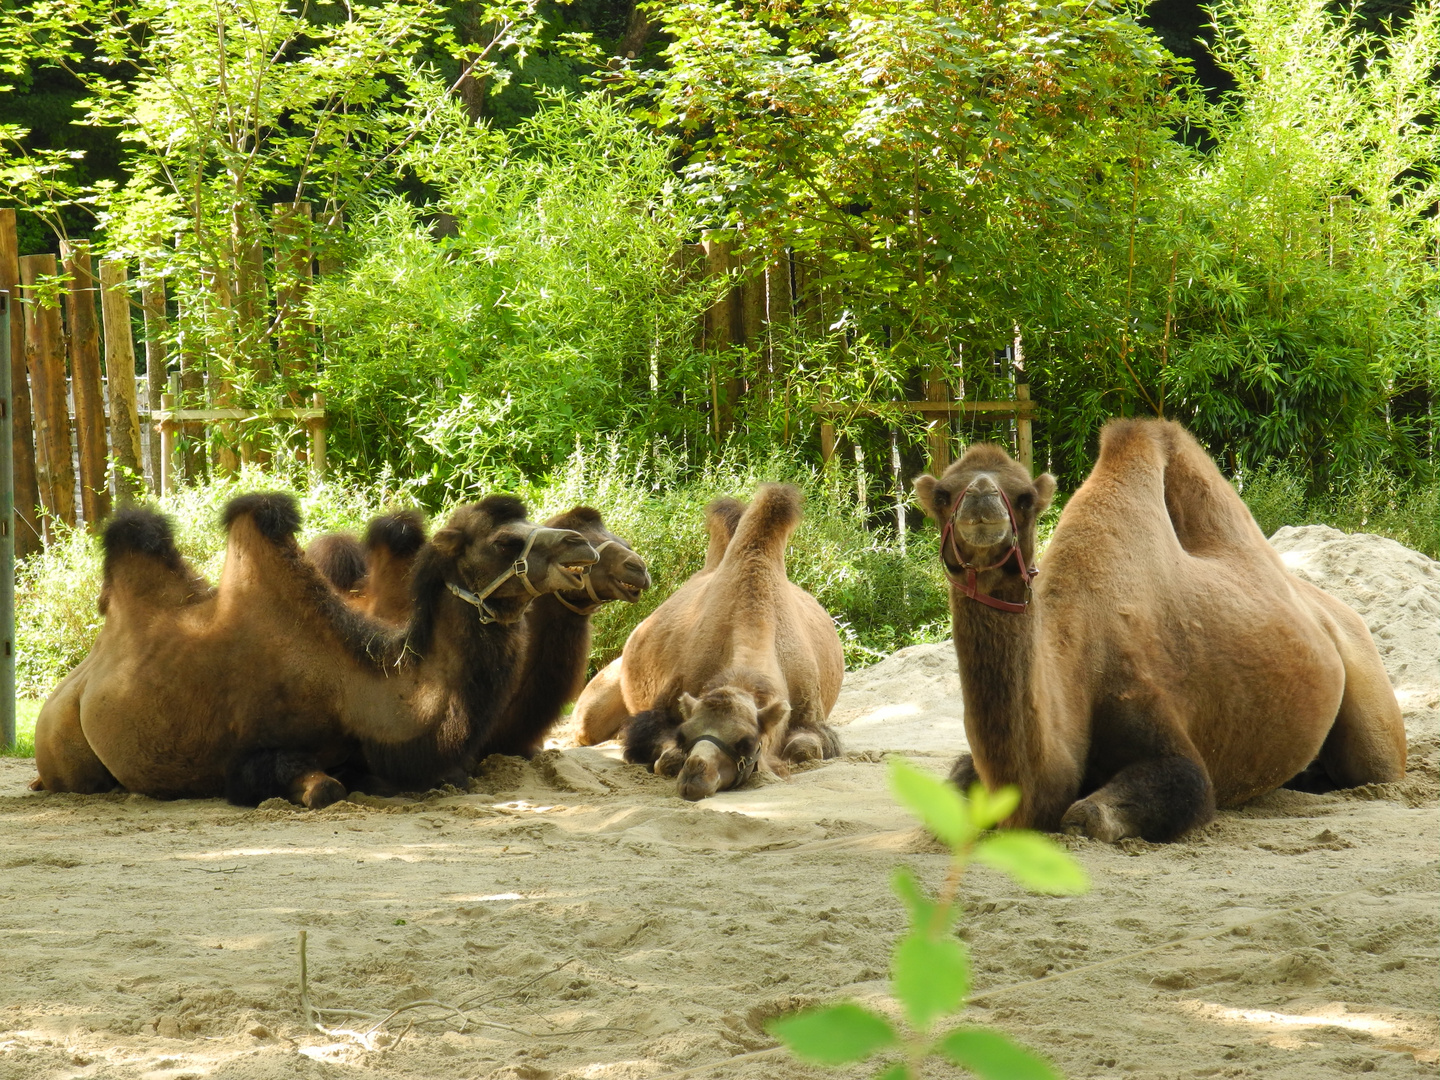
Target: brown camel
738, 669
373, 576
1166, 663
257, 687
600, 708
554, 652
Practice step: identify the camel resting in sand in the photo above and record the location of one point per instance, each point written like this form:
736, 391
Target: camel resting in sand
553, 650
1162, 662
738, 669
257, 687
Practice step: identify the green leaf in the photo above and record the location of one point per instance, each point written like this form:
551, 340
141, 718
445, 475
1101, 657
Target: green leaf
989, 808
1035, 861
992, 1056
938, 805
835, 1035
930, 976
912, 895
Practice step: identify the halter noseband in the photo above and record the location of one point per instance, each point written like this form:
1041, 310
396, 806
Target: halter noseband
968, 585
744, 766
520, 568
589, 587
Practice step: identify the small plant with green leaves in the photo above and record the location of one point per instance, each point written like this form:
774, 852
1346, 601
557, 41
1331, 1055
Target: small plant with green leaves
930, 968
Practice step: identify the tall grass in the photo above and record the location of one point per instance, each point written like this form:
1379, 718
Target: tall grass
1370, 501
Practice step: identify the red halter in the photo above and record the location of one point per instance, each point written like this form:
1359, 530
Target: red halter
968, 585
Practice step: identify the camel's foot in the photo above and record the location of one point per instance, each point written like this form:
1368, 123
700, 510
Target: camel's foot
962, 773
36, 785
804, 746
316, 790
670, 762
1095, 820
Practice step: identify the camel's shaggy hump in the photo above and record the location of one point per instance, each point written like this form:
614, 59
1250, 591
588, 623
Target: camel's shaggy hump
139, 530
339, 558
401, 532
275, 513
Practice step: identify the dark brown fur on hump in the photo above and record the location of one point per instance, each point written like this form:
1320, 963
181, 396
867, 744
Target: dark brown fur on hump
142, 537
339, 558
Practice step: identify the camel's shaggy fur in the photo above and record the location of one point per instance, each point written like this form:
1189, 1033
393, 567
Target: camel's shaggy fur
1167, 664
257, 687
738, 664
553, 651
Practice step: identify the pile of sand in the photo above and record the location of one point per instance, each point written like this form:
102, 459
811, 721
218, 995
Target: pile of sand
589, 925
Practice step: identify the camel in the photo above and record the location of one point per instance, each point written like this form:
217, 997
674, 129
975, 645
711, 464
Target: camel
373, 576
738, 669
258, 687
1162, 662
600, 708
554, 652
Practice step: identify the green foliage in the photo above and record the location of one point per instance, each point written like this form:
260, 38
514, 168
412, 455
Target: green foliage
557, 308
930, 967
1369, 500
26, 710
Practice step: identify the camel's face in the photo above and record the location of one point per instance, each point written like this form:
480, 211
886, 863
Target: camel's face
619, 574
991, 501
718, 746
486, 548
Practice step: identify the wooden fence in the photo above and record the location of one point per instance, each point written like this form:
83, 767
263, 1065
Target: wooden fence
87, 430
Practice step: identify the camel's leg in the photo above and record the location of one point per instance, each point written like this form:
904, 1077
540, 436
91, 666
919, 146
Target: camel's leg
63, 756
1157, 799
649, 735
1155, 784
253, 777
600, 708
1366, 744
963, 773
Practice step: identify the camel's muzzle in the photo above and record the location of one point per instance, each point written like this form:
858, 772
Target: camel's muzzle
974, 517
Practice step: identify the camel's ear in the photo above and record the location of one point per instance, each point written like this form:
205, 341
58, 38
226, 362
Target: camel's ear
1044, 492
773, 715
449, 542
687, 706
925, 492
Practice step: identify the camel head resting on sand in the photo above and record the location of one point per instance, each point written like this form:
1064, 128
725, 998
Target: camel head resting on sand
719, 741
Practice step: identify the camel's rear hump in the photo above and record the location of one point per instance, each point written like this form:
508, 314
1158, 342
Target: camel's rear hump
765, 527
143, 565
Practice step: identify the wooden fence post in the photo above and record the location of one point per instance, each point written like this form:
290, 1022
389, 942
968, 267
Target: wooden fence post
45, 357
85, 381
317, 438
937, 427
1023, 432
719, 334
152, 302
27, 490
292, 287
191, 395
120, 370
165, 479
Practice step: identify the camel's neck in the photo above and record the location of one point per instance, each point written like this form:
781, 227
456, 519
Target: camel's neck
552, 671
1001, 678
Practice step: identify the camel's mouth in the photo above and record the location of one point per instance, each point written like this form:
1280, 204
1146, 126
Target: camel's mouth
575, 573
630, 592
984, 534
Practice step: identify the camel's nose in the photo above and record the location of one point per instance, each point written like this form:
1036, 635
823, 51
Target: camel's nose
983, 484
637, 572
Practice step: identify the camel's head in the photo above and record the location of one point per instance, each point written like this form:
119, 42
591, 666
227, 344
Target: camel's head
620, 574
991, 505
720, 740
498, 561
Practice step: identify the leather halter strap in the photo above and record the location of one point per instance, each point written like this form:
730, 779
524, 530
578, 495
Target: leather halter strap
744, 766
596, 601
520, 568
969, 584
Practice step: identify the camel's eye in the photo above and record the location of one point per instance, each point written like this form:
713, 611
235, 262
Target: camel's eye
1025, 500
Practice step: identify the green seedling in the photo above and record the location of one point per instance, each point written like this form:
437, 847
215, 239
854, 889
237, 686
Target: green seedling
930, 967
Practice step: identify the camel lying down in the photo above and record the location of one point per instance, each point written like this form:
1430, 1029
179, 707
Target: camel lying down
1163, 661
265, 684
737, 670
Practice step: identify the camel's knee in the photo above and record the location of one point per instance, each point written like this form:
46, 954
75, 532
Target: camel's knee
670, 762
253, 777
1158, 799
316, 790
804, 746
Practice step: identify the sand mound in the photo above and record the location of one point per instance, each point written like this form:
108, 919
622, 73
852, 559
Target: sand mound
592, 926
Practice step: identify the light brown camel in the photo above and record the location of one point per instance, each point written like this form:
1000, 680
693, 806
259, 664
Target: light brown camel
257, 687
738, 669
600, 709
1166, 663
554, 651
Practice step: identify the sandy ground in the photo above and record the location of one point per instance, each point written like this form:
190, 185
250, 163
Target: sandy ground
591, 925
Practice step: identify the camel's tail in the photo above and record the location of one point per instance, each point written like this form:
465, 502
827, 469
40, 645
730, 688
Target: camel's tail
401, 532
142, 562
340, 558
765, 527
722, 518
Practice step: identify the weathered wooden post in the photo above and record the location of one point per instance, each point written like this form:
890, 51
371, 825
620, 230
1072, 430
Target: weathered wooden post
937, 426
120, 369
191, 391
293, 280
168, 427
152, 302
45, 358
1023, 434
719, 334
22, 443
85, 379
7, 531
317, 438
